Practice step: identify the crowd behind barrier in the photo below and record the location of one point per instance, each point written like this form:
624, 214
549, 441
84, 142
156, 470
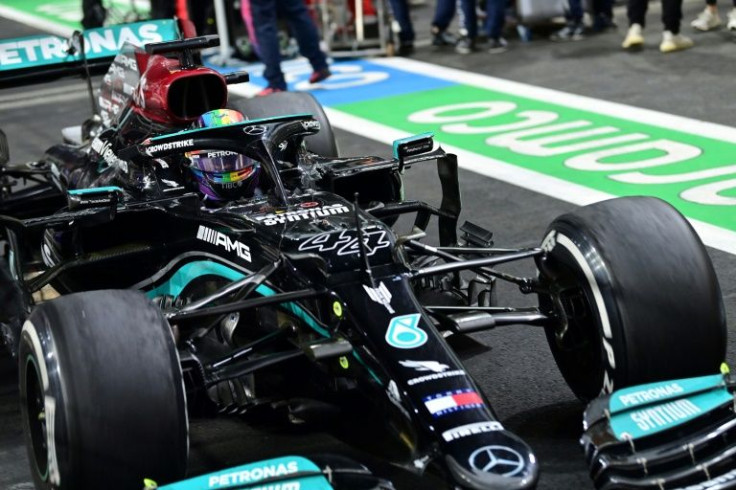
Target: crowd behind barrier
270, 30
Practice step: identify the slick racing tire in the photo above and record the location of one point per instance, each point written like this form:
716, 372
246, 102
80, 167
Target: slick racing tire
12, 311
636, 295
286, 103
102, 398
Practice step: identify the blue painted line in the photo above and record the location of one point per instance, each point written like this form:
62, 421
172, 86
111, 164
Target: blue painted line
351, 80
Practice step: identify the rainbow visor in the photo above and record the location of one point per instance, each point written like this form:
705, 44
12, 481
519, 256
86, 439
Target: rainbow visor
226, 177
219, 117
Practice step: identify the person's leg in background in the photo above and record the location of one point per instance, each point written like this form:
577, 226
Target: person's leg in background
468, 27
636, 11
495, 20
443, 14
162, 9
265, 23
603, 15
93, 14
307, 37
672, 40
708, 19
573, 30
198, 15
732, 18
400, 10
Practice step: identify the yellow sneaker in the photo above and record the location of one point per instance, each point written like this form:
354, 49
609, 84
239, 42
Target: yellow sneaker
674, 42
633, 39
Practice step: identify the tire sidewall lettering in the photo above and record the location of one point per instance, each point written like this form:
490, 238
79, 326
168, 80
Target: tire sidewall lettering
31, 334
556, 239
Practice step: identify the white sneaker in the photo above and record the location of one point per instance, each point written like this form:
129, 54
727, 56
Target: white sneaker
674, 42
706, 20
732, 20
633, 39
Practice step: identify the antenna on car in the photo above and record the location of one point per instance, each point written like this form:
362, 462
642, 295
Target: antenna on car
76, 45
361, 246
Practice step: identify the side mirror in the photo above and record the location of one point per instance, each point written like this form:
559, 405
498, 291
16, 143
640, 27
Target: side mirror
103, 202
412, 146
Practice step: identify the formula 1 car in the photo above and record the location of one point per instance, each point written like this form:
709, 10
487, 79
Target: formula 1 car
281, 284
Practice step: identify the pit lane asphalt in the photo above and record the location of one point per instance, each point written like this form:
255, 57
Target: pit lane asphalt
518, 373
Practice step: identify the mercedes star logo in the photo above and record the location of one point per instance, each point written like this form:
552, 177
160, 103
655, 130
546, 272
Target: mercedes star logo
501, 460
254, 130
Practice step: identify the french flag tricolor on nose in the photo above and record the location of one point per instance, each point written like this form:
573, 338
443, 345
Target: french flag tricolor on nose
452, 401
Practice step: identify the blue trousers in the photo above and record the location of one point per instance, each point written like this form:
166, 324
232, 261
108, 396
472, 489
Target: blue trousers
468, 19
400, 9
495, 17
600, 7
265, 15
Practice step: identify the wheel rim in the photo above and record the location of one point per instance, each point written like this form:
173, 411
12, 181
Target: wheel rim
578, 350
36, 410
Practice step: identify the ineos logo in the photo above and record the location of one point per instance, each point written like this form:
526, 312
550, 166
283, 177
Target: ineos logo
254, 130
501, 460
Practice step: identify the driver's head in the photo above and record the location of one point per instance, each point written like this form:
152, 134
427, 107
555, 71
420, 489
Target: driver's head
223, 175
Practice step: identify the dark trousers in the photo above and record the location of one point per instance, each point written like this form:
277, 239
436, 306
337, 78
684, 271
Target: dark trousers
468, 19
600, 7
400, 10
671, 13
93, 13
265, 16
495, 17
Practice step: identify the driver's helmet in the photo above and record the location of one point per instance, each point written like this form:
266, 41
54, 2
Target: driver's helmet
223, 175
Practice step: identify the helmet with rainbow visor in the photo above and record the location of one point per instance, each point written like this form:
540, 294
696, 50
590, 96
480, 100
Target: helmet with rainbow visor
223, 175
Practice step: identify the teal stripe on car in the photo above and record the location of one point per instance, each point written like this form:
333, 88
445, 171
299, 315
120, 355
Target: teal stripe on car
192, 270
257, 475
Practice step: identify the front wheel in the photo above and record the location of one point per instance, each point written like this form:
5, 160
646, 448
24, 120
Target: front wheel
636, 296
102, 398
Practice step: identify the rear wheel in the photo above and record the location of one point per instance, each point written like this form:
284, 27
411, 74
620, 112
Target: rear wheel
636, 294
102, 398
287, 103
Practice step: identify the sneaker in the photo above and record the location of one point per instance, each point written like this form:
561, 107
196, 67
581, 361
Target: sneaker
603, 22
406, 48
674, 42
465, 45
442, 38
731, 20
319, 75
633, 39
706, 20
571, 32
498, 46
269, 90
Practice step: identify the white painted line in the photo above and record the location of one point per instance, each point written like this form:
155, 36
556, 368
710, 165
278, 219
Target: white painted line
711, 235
54, 99
44, 92
588, 104
35, 21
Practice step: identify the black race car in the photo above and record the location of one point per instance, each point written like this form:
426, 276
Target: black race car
131, 297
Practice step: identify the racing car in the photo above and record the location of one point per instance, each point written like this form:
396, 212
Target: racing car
181, 252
